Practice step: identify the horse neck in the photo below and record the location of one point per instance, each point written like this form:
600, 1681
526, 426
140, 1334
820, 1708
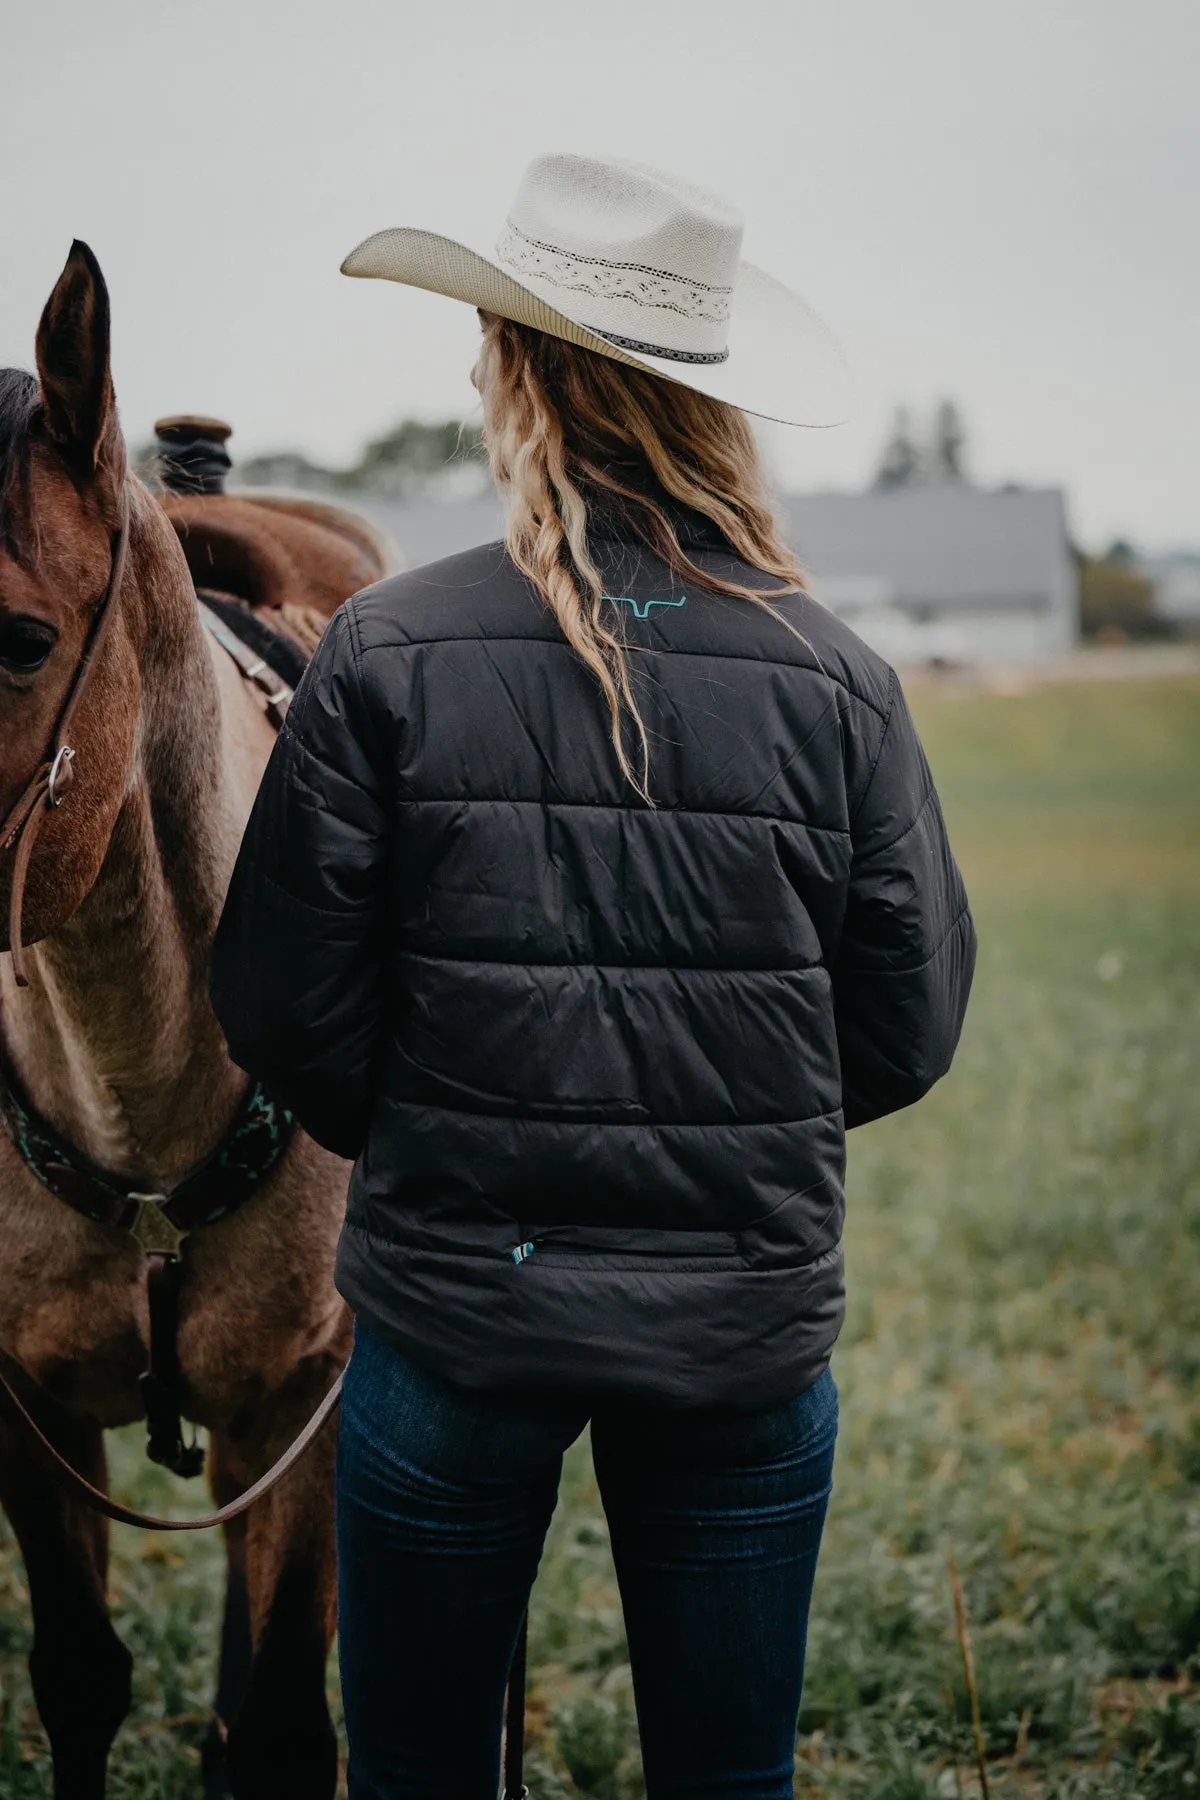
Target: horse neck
115, 1038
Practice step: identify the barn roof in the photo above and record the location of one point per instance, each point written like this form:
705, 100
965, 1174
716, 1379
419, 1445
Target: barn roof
949, 545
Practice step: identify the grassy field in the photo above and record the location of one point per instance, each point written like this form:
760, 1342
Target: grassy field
1018, 1370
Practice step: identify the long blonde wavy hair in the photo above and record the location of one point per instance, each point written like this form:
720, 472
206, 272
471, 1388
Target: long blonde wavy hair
563, 425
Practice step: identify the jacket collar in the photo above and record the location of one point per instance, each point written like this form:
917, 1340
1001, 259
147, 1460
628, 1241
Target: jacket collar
610, 521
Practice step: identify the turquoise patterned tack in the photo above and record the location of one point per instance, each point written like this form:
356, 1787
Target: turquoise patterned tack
256, 1140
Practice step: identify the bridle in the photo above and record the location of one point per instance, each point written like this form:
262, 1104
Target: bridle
48, 786
45, 792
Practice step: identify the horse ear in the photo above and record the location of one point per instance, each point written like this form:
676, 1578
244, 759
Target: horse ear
73, 364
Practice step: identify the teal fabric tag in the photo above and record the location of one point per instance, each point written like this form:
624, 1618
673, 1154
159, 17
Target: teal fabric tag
641, 608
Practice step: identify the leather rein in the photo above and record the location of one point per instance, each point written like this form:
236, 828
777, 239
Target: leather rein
159, 1222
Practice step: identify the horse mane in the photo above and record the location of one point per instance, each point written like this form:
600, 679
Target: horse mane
20, 408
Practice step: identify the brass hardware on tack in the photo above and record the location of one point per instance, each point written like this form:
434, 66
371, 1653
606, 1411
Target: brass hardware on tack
152, 1228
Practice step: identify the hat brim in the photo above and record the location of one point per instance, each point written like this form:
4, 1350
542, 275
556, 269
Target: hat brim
783, 363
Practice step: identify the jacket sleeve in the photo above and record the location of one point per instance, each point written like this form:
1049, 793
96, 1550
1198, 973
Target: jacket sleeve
907, 952
297, 969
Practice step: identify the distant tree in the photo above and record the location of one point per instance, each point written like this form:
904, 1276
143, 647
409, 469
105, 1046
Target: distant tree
414, 456
285, 468
949, 437
1114, 600
901, 463
906, 459
1120, 552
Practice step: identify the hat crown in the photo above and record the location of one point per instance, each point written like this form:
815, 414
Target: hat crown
652, 259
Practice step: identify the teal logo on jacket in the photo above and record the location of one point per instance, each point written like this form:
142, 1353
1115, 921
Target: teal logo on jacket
641, 608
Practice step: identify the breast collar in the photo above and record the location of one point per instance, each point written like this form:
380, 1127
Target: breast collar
257, 1137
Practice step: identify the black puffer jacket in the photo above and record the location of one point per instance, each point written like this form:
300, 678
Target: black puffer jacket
595, 1060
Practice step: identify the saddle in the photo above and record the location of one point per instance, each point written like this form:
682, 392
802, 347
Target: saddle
283, 562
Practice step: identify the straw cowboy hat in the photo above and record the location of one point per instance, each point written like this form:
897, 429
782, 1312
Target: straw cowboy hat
640, 267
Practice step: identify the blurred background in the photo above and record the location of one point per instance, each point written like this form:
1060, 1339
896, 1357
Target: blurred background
996, 210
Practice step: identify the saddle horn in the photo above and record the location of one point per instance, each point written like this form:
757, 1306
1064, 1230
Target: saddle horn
192, 454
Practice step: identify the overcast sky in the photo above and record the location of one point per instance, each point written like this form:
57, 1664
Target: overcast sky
998, 202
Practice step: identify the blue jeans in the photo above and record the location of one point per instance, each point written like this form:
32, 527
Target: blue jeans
443, 1499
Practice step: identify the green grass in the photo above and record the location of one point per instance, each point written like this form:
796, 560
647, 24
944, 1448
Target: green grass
1020, 1362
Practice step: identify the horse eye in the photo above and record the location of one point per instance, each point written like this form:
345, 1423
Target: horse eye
24, 645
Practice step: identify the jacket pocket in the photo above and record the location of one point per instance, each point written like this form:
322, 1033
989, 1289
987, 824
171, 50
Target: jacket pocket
619, 1247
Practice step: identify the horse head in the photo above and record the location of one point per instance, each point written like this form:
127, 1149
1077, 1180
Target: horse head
64, 491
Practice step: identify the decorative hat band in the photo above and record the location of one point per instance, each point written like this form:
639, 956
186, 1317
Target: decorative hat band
634, 283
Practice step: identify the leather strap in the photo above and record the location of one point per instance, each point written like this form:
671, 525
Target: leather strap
255, 668
48, 786
13, 1409
282, 652
162, 1378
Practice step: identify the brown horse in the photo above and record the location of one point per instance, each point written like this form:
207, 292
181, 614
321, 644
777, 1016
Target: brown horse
117, 1048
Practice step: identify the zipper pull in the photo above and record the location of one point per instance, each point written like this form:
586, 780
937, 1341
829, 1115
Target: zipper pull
521, 1251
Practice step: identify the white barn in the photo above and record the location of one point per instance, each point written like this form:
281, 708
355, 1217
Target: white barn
952, 572
957, 573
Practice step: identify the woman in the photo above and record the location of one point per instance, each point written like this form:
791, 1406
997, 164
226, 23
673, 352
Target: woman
597, 884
